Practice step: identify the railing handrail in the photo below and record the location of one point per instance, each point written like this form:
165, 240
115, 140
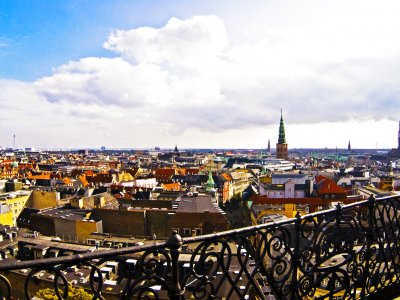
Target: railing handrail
350, 249
107, 253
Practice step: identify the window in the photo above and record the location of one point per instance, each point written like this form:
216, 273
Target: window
38, 254
199, 231
187, 231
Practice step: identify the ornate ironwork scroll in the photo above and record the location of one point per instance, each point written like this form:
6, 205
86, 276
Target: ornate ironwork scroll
352, 252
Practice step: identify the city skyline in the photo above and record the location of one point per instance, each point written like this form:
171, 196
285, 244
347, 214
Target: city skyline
199, 75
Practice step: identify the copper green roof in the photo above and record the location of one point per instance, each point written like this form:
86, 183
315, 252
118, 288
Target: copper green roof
210, 182
282, 138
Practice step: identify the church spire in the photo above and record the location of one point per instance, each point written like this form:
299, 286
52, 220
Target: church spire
210, 182
282, 137
349, 147
282, 146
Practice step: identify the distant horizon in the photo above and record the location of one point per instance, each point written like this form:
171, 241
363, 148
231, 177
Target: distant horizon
185, 148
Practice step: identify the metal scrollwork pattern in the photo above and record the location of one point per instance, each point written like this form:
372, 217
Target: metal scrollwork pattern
147, 278
150, 275
352, 252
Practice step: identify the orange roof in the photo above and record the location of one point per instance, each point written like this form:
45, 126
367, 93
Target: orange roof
89, 173
181, 171
67, 180
227, 176
83, 179
171, 186
41, 176
25, 166
327, 186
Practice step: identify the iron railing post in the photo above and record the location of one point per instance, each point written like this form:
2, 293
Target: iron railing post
369, 242
294, 285
174, 243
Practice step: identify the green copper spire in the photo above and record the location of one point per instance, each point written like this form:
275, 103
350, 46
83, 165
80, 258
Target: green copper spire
210, 182
282, 138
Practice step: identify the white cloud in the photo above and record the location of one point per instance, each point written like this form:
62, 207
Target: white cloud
180, 43
105, 81
332, 63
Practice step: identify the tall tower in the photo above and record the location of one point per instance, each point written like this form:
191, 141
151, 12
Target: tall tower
282, 146
269, 146
398, 137
349, 147
176, 151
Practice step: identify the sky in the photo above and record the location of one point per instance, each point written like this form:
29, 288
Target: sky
199, 74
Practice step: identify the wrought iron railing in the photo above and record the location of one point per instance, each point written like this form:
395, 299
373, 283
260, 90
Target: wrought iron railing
351, 252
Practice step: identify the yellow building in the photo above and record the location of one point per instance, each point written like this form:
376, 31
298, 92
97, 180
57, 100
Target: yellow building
267, 179
213, 163
288, 210
16, 202
44, 199
240, 181
125, 176
6, 217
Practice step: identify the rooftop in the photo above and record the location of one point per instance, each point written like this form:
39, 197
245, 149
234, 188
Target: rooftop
199, 203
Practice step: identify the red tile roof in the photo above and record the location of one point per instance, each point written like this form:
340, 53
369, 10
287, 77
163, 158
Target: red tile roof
163, 174
326, 186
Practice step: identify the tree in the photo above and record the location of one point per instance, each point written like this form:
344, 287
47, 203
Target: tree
74, 293
236, 200
236, 211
